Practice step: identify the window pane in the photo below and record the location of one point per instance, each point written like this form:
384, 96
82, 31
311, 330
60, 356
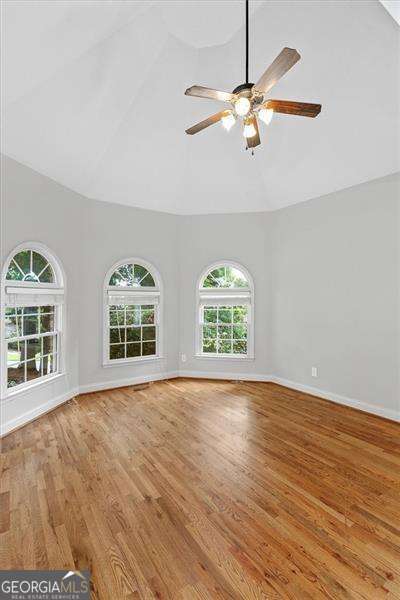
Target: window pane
15, 351
30, 324
209, 346
117, 351
47, 276
23, 260
13, 326
133, 334
240, 314
209, 282
39, 263
147, 315
210, 315
123, 276
225, 347
33, 348
46, 322
15, 375
239, 347
133, 350
13, 272
133, 315
49, 364
117, 317
148, 281
117, 335
140, 273
149, 333
149, 348
225, 314
239, 332
33, 369
49, 344
225, 331
209, 331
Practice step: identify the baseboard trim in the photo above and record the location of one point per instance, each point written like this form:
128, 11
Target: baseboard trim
37, 412
387, 413
109, 385
224, 375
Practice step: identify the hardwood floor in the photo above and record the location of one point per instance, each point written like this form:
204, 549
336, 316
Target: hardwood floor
195, 489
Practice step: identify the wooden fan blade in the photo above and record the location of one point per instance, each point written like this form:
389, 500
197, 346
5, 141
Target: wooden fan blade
207, 122
281, 65
304, 109
205, 92
254, 141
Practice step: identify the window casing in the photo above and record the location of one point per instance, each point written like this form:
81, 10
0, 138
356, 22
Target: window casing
225, 312
132, 313
31, 318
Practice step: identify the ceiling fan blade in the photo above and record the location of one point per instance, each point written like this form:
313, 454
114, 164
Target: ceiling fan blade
281, 65
304, 109
207, 122
205, 92
254, 141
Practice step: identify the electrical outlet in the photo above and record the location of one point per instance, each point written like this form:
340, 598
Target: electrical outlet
183, 357
314, 372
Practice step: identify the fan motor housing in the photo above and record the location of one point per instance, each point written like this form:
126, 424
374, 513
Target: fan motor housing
244, 90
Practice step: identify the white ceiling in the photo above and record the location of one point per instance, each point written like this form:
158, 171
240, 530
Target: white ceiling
94, 98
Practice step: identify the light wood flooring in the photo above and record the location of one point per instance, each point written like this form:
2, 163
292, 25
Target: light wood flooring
193, 489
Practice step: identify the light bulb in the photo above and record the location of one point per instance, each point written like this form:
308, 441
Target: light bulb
266, 115
249, 130
228, 121
242, 106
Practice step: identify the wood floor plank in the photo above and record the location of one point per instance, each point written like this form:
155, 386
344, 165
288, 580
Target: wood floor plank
200, 489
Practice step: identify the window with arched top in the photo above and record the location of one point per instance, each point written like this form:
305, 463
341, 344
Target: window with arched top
132, 294
225, 308
31, 324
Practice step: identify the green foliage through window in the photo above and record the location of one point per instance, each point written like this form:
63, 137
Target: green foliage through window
131, 275
225, 277
224, 330
29, 265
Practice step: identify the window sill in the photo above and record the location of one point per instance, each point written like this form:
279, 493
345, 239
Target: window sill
129, 361
10, 395
223, 357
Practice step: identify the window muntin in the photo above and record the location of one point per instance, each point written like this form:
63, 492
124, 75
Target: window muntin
132, 313
224, 329
133, 331
30, 266
225, 276
31, 318
225, 312
131, 275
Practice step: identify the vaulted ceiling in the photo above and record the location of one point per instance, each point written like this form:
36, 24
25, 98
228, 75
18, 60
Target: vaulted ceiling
93, 97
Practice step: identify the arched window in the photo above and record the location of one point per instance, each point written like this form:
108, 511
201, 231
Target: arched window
225, 312
132, 295
31, 324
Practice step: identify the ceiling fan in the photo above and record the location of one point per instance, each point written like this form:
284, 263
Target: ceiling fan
249, 101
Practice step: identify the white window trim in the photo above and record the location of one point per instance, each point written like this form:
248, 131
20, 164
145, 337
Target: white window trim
157, 292
58, 287
229, 293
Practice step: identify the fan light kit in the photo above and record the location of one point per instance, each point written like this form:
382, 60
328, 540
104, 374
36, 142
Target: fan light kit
249, 101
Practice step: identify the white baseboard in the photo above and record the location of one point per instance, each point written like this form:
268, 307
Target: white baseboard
224, 375
33, 414
108, 385
338, 399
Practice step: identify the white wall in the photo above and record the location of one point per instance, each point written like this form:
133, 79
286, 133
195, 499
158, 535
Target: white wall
335, 293
244, 238
35, 208
114, 232
326, 276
